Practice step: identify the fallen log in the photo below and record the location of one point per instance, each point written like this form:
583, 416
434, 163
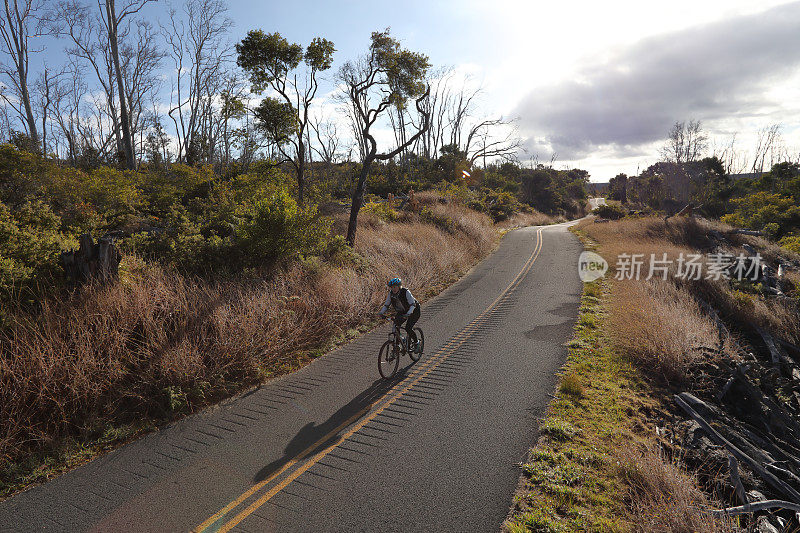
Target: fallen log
750, 232
774, 482
774, 352
757, 506
783, 472
788, 345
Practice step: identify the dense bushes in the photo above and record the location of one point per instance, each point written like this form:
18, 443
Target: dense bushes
771, 212
221, 235
205, 221
29, 244
612, 212
276, 227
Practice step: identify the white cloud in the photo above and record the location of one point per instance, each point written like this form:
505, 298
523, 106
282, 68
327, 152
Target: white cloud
736, 73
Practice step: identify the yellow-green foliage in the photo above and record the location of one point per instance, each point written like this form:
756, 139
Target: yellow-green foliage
29, 244
792, 243
276, 227
762, 209
382, 210
437, 218
164, 187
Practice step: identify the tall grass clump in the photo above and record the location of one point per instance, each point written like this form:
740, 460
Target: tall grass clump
662, 328
664, 498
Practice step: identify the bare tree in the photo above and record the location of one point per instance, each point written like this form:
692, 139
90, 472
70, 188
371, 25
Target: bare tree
113, 19
687, 141
46, 87
452, 116
734, 161
133, 67
386, 76
76, 21
196, 39
327, 139
67, 94
483, 142
437, 108
20, 22
768, 137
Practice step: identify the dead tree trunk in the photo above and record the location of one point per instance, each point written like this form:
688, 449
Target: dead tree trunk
91, 261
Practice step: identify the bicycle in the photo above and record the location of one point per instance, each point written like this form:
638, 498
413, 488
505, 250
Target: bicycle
397, 346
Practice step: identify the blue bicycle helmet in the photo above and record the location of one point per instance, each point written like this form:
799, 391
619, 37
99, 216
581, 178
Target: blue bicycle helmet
394, 281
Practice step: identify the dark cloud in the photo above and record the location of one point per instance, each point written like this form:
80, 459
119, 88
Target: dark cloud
716, 71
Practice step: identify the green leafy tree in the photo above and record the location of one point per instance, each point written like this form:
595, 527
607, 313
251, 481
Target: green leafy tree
618, 188
273, 63
711, 186
387, 75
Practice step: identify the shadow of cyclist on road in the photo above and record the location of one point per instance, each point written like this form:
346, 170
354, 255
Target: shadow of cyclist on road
313, 438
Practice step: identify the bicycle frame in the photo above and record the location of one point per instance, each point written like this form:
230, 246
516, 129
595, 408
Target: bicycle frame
397, 337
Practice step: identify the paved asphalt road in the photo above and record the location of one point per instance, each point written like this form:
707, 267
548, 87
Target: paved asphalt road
333, 447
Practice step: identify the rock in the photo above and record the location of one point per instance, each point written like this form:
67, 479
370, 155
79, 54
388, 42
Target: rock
763, 525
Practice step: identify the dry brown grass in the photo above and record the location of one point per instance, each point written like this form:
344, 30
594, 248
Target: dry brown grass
664, 498
779, 316
662, 328
535, 218
159, 344
659, 323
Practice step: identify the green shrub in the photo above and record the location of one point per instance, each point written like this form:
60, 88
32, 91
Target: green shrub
275, 228
181, 240
441, 220
337, 252
500, 205
756, 211
20, 175
30, 242
791, 243
459, 193
612, 212
771, 229
382, 210
165, 187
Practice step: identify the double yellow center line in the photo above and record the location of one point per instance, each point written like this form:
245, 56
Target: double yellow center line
423, 370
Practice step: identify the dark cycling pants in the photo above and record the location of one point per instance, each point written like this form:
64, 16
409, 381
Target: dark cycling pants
412, 320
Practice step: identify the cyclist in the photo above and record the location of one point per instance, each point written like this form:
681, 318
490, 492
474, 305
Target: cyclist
406, 309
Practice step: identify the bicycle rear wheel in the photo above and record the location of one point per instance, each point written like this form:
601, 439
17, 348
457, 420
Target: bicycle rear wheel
388, 360
415, 355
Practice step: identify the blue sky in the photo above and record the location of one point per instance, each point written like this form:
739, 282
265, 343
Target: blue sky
598, 83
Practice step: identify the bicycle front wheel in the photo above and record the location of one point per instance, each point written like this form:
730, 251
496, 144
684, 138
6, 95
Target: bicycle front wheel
415, 355
388, 360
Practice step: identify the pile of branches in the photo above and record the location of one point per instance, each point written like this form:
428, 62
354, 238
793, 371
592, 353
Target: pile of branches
744, 421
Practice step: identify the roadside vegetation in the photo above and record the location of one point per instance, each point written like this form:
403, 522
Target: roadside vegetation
225, 280
616, 453
245, 215
762, 194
